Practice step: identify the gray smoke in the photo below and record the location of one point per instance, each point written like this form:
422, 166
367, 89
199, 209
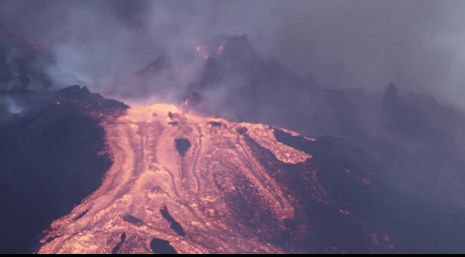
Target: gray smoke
10, 105
417, 44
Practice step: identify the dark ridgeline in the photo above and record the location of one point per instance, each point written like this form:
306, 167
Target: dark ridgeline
392, 161
412, 135
49, 160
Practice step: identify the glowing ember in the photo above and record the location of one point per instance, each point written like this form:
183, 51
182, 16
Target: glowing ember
220, 48
344, 212
202, 48
365, 181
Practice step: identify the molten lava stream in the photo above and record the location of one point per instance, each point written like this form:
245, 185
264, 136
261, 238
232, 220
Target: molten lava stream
166, 191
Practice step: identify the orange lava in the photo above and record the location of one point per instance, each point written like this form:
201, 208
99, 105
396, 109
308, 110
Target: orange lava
148, 173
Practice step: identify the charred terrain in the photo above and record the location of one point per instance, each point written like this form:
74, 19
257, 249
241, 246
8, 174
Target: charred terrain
363, 173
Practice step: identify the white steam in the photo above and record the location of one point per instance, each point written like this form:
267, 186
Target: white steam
12, 106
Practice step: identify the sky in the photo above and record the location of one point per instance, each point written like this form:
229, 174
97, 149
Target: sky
417, 44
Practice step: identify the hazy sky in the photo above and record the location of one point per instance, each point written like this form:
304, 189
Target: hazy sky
417, 44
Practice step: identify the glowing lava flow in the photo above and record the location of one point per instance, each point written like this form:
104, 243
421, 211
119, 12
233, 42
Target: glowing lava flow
171, 175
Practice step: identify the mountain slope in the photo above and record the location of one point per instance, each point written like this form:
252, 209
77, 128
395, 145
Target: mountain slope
177, 180
190, 184
50, 158
409, 134
222, 183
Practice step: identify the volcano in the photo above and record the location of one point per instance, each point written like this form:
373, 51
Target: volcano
206, 186
410, 134
294, 168
166, 180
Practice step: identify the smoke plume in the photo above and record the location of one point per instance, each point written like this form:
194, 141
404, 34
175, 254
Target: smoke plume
417, 44
10, 105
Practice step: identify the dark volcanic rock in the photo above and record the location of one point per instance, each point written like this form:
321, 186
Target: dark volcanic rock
156, 66
51, 156
413, 136
396, 177
351, 177
248, 189
237, 193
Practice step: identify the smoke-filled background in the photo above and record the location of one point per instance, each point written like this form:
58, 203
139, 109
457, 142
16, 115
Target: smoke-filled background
407, 144
417, 44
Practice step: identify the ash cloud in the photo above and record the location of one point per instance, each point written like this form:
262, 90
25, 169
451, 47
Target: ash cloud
417, 44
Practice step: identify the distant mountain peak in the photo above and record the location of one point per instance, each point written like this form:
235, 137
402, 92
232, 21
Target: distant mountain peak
392, 89
391, 93
232, 48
